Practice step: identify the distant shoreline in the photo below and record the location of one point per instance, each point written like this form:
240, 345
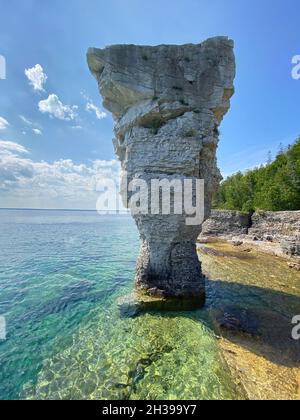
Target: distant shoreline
64, 210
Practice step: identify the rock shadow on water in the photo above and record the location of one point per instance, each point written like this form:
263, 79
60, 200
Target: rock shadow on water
258, 318
172, 355
253, 326
255, 317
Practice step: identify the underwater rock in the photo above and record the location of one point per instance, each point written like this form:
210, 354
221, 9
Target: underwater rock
294, 265
167, 102
238, 320
137, 303
213, 252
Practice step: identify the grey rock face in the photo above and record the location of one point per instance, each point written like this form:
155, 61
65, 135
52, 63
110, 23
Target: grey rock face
280, 225
291, 247
282, 228
226, 223
167, 102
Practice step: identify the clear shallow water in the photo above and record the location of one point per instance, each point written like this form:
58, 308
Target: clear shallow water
60, 276
255, 296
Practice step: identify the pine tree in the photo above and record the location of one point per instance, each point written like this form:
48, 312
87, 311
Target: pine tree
275, 186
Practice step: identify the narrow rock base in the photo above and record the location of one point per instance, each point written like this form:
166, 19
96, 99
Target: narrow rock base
169, 271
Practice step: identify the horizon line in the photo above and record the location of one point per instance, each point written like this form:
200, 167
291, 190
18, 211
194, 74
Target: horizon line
57, 209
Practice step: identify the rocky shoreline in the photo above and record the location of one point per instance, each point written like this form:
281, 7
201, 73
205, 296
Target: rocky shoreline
276, 233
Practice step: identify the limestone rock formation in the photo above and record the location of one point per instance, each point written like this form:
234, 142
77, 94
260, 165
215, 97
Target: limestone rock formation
226, 223
280, 225
167, 102
291, 247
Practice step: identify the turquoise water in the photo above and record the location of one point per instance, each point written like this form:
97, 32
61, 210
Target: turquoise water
60, 276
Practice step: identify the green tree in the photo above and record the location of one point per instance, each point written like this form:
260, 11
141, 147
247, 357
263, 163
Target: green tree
275, 186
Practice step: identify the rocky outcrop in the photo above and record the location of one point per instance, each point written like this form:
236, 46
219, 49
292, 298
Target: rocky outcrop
167, 102
291, 247
279, 225
281, 228
226, 223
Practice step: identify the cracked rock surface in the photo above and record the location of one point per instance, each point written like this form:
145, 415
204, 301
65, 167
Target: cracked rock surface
167, 102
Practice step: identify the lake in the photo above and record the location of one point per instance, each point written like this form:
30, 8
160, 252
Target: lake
61, 275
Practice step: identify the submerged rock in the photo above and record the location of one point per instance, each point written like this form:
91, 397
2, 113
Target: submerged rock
213, 252
294, 265
137, 303
238, 320
168, 102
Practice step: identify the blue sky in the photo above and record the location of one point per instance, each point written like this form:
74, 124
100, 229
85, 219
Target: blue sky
61, 152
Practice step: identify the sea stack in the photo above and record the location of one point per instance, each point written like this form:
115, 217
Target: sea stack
167, 102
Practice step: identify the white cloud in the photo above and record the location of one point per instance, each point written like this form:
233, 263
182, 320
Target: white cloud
36, 76
3, 123
11, 148
37, 131
59, 184
55, 108
26, 120
93, 108
13, 165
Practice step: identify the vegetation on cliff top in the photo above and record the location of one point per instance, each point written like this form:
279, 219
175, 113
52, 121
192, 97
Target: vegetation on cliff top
274, 187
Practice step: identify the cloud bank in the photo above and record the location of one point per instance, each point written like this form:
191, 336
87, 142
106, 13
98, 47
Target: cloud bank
58, 184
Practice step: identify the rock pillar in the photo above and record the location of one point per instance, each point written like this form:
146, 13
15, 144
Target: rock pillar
167, 102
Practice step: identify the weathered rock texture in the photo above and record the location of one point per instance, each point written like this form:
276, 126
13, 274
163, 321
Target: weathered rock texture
282, 227
226, 223
167, 102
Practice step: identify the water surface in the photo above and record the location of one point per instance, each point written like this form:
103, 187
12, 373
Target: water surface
61, 274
